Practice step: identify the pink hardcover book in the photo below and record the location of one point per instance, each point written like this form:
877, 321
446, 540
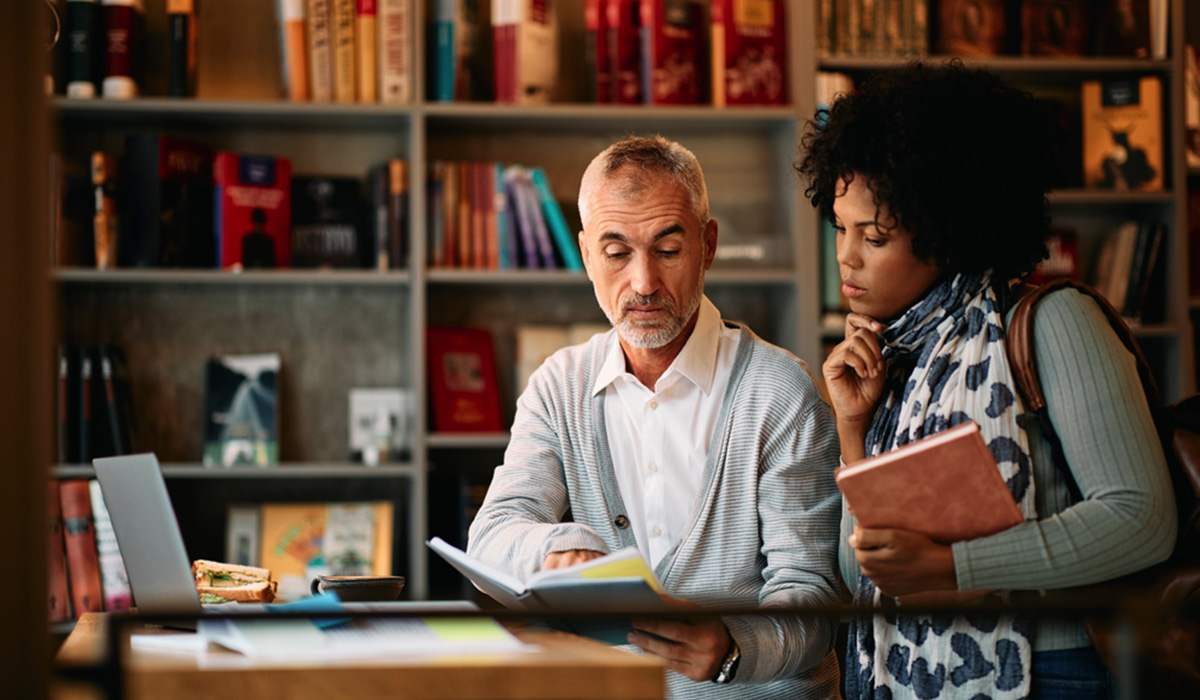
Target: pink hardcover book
945, 485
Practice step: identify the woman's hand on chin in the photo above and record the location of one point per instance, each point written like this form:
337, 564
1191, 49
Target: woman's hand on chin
854, 374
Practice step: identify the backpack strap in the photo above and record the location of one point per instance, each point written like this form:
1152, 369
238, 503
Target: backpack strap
1023, 362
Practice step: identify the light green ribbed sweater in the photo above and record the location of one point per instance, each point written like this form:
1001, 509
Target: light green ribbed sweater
1126, 521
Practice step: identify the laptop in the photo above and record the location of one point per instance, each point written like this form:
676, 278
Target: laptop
156, 561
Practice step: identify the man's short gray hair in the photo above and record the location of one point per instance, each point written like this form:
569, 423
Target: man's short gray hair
647, 156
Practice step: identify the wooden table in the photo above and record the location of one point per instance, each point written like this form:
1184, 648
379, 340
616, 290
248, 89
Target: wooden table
566, 668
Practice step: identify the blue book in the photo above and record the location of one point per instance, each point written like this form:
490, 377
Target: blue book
443, 62
522, 216
555, 221
504, 222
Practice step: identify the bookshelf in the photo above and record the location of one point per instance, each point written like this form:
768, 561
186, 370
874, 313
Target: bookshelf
358, 328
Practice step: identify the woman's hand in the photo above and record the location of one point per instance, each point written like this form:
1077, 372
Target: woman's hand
902, 562
854, 374
693, 647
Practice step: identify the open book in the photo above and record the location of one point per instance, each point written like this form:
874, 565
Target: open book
621, 582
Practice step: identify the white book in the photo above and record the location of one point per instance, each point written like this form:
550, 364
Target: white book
243, 530
393, 21
113, 579
620, 582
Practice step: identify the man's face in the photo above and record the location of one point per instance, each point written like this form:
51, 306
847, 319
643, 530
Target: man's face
646, 257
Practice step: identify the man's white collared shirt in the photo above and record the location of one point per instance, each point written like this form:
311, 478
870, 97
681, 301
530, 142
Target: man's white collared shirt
659, 438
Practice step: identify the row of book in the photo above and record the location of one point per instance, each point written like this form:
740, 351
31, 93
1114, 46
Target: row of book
95, 404
1129, 262
720, 52
299, 541
487, 215
1065, 28
103, 50
346, 51
173, 202
87, 573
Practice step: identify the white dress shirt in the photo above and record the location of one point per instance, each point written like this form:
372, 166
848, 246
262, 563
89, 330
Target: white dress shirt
659, 438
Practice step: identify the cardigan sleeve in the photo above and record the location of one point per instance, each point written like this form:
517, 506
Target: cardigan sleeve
1126, 520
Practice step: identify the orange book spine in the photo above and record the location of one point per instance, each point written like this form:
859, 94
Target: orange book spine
295, 49
79, 537
60, 600
365, 50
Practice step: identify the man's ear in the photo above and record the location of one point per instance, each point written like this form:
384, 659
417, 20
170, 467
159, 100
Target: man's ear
587, 257
710, 243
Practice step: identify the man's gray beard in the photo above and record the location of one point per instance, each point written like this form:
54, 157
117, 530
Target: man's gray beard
653, 335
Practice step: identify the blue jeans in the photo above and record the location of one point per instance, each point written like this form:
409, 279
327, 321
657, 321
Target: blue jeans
1070, 674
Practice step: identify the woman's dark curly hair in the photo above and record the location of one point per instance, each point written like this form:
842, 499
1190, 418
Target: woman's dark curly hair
961, 160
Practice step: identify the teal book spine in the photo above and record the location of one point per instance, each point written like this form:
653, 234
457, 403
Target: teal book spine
557, 223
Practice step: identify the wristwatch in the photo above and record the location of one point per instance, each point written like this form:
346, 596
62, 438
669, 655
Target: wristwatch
730, 664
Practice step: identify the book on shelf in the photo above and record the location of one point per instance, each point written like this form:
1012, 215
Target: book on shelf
124, 31
299, 541
376, 225
79, 406
506, 251
243, 530
114, 582
108, 433
241, 398
1122, 28
79, 539
1123, 133
1146, 252
398, 213
85, 46
527, 194
1062, 258
567, 244
74, 202
395, 45
598, 80
58, 592
524, 247
464, 393
972, 27
252, 220
749, 52
366, 50
62, 403
1113, 263
1055, 27
319, 16
326, 222
621, 582
106, 225
167, 213
675, 50
342, 23
866, 23
625, 51
905, 488
459, 67
435, 174
181, 48
293, 48
381, 425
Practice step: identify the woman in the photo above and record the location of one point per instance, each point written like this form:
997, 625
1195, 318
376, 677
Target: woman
936, 179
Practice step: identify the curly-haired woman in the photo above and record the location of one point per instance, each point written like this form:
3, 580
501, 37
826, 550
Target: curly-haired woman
936, 179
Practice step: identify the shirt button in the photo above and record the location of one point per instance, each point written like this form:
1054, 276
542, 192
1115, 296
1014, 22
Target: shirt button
657, 531
621, 522
653, 404
653, 467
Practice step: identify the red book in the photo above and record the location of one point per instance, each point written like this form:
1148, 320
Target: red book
124, 25
79, 538
625, 50
253, 211
749, 52
462, 380
673, 39
595, 38
60, 601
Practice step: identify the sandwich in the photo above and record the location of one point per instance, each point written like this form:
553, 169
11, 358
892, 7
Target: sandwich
218, 582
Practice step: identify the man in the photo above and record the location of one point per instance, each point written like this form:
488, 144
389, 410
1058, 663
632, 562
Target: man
688, 437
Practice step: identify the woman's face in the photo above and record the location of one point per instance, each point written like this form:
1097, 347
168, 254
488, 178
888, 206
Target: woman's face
880, 275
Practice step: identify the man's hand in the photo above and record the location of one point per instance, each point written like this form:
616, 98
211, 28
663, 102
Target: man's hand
902, 562
694, 648
571, 557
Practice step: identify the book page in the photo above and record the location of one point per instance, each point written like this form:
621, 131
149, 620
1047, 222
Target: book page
624, 563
